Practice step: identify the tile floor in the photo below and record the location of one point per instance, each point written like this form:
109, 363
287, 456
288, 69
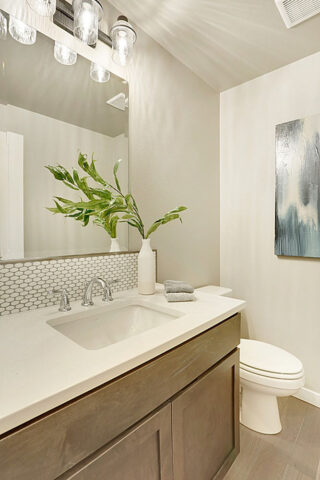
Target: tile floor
294, 454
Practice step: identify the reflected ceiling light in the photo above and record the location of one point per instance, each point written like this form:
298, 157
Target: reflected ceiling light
123, 39
3, 27
21, 32
64, 55
98, 73
87, 15
46, 8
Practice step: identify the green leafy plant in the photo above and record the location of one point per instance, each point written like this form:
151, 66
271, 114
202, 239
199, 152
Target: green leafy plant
105, 203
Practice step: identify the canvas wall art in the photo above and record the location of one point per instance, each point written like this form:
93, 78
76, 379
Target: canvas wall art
297, 219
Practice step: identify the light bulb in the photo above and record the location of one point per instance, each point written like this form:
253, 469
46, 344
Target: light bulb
64, 55
123, 39
46, 8
87, 14
122, 48
98, 73
3, 27
21, 32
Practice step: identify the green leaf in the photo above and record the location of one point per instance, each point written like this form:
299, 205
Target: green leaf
82, 162
102, 193
53, 210
168, 217
115, 169
66, 174
113, 224
64, 200
56, 172
59, 207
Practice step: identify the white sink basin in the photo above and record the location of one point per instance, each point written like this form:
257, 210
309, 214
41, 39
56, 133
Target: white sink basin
97, 328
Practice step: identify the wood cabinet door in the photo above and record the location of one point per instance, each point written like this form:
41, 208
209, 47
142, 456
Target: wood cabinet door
205, 424
144, 453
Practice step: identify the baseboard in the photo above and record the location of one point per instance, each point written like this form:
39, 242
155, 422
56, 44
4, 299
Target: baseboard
309, 396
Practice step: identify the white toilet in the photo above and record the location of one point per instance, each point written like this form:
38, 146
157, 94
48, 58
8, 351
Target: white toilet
266, 372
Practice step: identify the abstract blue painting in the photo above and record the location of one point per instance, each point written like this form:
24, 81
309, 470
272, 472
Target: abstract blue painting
297, 219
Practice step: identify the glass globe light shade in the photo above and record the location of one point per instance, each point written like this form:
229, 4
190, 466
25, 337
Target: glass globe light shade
123, 39
46, 8
64, 55
98, 73
3, 27
87, 15
21, 32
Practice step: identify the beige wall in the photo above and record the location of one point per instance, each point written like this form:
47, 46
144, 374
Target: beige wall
174, 160
282, 293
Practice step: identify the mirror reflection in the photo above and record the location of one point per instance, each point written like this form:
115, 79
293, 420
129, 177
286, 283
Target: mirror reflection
51, 112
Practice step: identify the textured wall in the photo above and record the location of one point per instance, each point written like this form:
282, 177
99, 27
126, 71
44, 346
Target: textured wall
174, 160
282, 293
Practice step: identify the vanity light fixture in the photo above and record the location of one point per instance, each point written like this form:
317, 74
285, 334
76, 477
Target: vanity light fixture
87, 15
46, 8
98, 73
21, 32
82, 20
3, 27
64, 55
123, 39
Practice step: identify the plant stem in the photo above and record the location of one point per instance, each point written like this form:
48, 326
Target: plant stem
135, 209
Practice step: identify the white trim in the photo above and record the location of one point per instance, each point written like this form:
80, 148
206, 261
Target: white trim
309, 396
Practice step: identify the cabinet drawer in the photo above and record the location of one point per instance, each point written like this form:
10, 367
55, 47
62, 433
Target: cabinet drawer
55, 442
145, 452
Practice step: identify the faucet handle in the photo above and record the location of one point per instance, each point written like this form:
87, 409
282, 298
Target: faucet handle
107, 294
64, 298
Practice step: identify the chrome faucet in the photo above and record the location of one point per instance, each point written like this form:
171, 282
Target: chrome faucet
107, 293
64, 299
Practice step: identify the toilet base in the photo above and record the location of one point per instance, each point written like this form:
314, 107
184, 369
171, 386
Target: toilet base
260, 412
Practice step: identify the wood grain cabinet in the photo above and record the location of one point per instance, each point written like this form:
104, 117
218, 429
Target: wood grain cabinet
173, 418
205, 424
145, 453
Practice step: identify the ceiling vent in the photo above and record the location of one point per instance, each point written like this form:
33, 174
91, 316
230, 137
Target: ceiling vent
297, 11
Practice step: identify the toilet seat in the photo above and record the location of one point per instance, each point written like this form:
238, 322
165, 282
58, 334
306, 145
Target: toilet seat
264, 373
268, 360
271, 382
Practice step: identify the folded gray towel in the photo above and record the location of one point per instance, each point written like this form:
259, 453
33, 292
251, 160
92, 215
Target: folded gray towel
180, 297
177, 286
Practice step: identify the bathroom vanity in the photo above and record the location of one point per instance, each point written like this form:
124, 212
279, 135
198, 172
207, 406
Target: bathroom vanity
168, 412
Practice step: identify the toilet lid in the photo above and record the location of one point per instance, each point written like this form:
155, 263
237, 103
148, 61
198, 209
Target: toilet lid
268, 358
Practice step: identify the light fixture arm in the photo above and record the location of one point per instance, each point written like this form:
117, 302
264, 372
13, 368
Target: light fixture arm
64, 18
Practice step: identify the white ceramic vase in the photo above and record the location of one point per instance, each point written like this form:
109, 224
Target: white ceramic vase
146, 269
115, 245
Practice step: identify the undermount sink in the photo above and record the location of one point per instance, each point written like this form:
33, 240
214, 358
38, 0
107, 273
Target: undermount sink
111, 324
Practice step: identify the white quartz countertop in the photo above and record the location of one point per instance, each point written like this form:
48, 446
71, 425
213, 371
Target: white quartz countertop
40, 368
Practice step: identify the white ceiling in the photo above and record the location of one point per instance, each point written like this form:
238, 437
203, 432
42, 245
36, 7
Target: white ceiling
225, 42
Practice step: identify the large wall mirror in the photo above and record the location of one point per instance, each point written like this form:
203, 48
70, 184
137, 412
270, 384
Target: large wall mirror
49, 113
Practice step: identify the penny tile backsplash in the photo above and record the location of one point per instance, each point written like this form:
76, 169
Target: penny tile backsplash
25, 286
